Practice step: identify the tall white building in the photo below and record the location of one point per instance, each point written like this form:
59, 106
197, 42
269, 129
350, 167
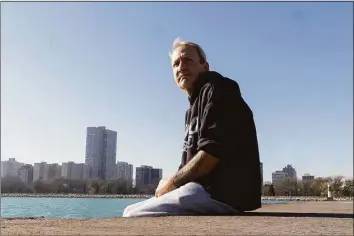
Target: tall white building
38, 171
101, 147
10, 168
75, 171
26, 173
124, 171
51, 172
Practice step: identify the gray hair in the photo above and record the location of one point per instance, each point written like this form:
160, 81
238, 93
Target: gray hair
178, 42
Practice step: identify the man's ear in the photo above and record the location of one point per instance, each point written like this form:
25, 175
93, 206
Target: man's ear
206, 66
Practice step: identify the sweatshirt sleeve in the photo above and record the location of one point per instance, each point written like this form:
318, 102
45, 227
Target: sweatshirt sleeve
214, 123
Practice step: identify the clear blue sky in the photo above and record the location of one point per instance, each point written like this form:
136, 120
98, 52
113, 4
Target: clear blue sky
66, 66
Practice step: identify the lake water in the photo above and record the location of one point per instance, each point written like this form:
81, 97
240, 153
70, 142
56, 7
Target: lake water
68, 207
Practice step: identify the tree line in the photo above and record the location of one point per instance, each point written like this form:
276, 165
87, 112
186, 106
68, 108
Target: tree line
316, 187
62, 186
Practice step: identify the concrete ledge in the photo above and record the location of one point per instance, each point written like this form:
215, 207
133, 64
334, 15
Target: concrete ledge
296, 218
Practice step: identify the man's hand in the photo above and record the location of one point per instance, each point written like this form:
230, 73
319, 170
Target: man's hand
166, 188
161, 184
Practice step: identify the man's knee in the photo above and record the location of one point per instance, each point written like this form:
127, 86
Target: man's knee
137, 208
163, 205
129, 210
136, 211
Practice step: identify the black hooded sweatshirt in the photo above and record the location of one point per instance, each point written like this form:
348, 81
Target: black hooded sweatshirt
220, 123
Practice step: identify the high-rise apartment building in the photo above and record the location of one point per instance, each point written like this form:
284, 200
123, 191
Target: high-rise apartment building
147, 175
75, 171
26, 173
124, 171
156, 176
291, 172
278, 176
51, 172
38, 171
46, 172
101, 145
10, 168
143, 175
288, 172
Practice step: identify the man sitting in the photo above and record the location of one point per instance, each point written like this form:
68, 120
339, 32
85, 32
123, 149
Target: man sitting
220, 168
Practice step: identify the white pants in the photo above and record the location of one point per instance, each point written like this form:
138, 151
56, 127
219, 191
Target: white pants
189, 199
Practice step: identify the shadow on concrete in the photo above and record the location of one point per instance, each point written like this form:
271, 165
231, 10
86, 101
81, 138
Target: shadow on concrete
291, 214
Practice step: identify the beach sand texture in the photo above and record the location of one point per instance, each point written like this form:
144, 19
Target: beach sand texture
333, 218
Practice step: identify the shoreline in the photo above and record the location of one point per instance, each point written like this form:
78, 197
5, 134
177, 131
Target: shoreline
73, 195
146, 196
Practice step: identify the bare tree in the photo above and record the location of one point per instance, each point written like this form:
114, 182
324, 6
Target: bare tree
95, 186
11, 184
336, 185
348, 188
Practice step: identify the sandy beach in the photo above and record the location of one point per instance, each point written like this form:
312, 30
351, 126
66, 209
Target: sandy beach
296, 218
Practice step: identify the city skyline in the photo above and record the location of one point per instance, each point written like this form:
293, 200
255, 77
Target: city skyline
101, 146
100, 141
277, 174
43, 171
68, 66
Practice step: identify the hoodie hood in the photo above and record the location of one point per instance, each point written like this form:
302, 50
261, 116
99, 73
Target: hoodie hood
214, 78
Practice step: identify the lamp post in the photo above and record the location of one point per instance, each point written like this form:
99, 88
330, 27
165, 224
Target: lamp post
329, 192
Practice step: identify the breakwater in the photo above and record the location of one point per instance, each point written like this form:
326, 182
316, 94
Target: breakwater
145, 196
73, 195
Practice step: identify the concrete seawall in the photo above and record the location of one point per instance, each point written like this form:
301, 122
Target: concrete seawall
295, 218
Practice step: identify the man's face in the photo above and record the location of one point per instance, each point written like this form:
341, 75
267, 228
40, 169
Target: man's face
186, 67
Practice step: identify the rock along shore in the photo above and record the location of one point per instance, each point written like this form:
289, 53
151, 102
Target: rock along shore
145, 196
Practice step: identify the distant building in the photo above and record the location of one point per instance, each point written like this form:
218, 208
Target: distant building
308, 177
156, 176
26, 173
75, 171
288, 172
124, 171
10, 168
51, 172
66, 170
291, 172
143, 175
38, 171
278, 176
101, 145
147, 175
